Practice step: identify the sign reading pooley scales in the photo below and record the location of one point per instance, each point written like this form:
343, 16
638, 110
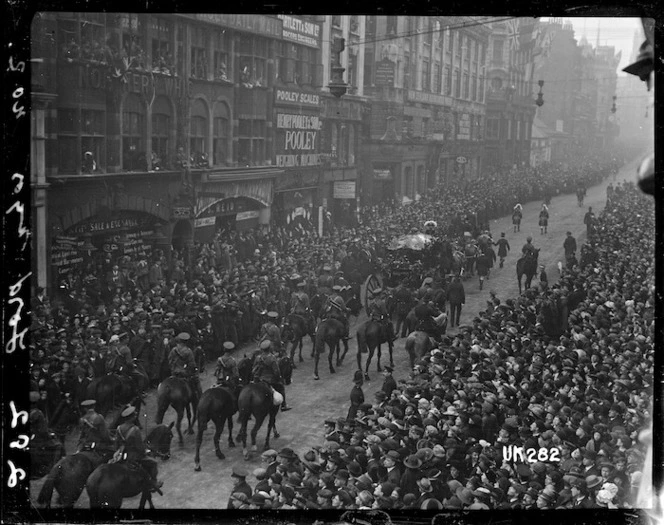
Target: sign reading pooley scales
298, 127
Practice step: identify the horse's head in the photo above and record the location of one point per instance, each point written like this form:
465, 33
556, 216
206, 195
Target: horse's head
159, 440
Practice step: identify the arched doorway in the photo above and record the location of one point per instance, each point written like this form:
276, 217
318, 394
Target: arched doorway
182, 234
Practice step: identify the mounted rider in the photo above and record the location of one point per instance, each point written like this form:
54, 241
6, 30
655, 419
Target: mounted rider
94, 432
227, 373
119, 359
336, 309
270, 331
40, 437
425, 311
131, 448
377, 310
182, 363
326, 281
300, 304
266, 369
528, 249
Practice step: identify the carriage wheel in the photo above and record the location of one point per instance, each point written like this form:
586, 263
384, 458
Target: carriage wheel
370, 284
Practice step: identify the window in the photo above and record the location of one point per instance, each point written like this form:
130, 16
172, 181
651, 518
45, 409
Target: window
351, 145
336, 21
352, 71
426, 78
446, 41
355, 24
370, 26
496, 83
457, 83
428, 35
162, 47
343, 144
406, 71
199, 130
303, 66
457, 46
93, 128
162, 122
437, 81
199, 56
253, 61
392, 25
420, 180
480, 97
133, 133
133, 46
220, 134
221, 49
334, 142
448, 81
465, 86
82, 37
251, 142
498, 46
492, 129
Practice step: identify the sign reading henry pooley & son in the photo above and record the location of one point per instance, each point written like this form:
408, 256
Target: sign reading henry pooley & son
298, 127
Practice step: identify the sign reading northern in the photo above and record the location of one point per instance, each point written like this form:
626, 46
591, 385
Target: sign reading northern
298, 126
300, 31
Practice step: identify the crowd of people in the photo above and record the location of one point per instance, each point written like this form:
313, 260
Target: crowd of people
132, 310
450, 435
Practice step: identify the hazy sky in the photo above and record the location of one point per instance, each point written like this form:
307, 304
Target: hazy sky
618, 32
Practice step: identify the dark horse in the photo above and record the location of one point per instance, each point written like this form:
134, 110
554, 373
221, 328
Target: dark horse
110, 483
69, 475
527, 266
176, 392
44, 455
330, 331
418, 343
370, 335
111, 390
245, 368
218, 404
256, 400
294, 329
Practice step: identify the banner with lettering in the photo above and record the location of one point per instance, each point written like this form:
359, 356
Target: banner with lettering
298, 125
300, 31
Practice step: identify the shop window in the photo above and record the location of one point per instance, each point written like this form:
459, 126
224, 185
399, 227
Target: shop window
198, 133
251, 142
220, 134
426, 79
253, 61
133, 133
222, 47
162, 122
303, 65
162, 46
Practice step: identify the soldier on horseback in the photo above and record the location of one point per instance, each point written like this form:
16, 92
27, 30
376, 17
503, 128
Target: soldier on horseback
425, 313
528, 249
119, 359
270, 331
266, 369
131, 448
377, 310
325, 280
300, 304
94, 432
182, 363
336, 309
227, 373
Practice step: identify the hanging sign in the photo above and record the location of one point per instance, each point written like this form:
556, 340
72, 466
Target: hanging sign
344, 189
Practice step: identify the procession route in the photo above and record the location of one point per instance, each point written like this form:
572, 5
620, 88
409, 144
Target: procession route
315, 401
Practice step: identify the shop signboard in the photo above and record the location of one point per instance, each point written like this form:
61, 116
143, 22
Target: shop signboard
227, 207
204, 221
65, 253
245, 215
125, 220
300, 31
384, 74
298, 125
382, 174
344, 189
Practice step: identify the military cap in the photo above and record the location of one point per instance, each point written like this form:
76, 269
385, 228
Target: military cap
128, 411
88, 403
228, 345
272, 315
265, 345
183, 336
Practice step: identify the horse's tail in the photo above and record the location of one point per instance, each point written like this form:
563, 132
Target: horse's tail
46, 491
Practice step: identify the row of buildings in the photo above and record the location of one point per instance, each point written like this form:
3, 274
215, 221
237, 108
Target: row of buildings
156, 130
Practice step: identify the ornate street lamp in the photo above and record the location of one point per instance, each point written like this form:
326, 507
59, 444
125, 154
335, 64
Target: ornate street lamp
540, 95
337, 85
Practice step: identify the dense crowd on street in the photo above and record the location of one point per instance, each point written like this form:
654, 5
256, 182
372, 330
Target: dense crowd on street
220, 292
441, 438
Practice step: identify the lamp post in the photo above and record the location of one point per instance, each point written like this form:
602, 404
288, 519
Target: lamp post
540, 95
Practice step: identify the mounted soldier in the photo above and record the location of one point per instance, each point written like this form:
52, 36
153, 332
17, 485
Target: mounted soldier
94, 432
227, 373
266, 369
300, 304
528, 249
182, 363
270, 331
326, 281
377, 310
131, 448
336, 309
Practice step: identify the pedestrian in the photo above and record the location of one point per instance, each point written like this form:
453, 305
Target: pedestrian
517, 215
569, 245
389, 384
544, 219
456, 295
240, 486
503, 247
356, 395
543, 278
589, 220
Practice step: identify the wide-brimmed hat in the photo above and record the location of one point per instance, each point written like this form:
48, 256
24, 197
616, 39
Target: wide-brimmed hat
412, 461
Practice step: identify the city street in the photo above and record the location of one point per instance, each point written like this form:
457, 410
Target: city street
314, 401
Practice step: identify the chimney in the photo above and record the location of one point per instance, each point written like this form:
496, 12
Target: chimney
391, 131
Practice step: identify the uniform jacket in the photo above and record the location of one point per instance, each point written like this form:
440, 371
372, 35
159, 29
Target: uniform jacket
129, 436
456, 293
181, 360
266, 369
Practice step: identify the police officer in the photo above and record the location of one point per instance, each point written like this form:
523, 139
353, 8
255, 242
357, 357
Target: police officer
182, 362
270, 331
94, 432
266, 369
130, 446
226, 371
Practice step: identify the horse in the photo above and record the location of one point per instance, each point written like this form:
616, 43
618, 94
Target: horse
44, 456
316, 305
527, 266
293, 329
218, 404
470, 251
370, 335
418, 343
402, 310
412, 321
354, 306
176, 392
256, 399
110, 483
69, 475
245, 368
329, 331
115, 389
